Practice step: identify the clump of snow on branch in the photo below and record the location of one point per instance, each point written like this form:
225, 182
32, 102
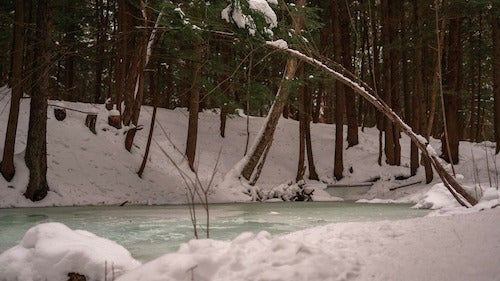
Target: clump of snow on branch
280, 44
50, 251
234, 13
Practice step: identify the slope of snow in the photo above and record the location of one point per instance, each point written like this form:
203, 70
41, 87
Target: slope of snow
88, 169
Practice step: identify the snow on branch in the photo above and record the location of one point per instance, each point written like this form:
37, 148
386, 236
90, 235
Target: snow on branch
240, 12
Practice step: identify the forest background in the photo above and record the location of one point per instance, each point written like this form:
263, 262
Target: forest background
435, 63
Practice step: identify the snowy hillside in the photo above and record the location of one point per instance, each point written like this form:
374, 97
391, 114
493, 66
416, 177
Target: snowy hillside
88, 169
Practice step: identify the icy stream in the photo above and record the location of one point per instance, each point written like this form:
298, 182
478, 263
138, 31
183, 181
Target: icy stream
150, 231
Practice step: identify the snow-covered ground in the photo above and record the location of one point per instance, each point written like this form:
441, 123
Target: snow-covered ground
88, 169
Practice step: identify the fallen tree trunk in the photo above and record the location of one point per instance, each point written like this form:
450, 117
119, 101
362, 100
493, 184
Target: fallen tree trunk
367, 93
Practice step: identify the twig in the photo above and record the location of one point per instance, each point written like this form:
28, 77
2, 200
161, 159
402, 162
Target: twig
72, 109
404, 185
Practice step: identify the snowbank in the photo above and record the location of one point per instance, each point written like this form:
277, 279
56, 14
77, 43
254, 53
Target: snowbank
247, 257
51, 251
460, 247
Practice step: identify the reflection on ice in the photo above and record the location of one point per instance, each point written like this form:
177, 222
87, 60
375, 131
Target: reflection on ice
150, 231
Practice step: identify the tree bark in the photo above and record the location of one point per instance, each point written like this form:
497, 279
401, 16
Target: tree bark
146, 40
36, 146
338, 166
69, 65
392, 86
122, 43
496, 77
302, 121
313, 175
100, 41
7, 166
349, 97
418, 85
387, 32
265, 139
418, 99
194, 104
451, 94
272, 121
154, 94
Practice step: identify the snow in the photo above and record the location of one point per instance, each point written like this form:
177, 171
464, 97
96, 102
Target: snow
88, 169
50, 251
460, 247
234, 13
436, 198
247, 257
280, 44
453, 248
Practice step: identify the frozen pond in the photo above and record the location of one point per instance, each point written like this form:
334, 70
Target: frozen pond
150, 231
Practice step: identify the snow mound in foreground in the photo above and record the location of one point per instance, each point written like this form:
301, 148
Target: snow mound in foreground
247, 257
50, 251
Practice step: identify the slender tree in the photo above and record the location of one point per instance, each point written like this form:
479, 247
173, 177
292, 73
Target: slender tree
154, 94
387, 39
418, 98
313, 175
36, 146
350, 98
194, 104
264, 140
496, 76
452, 87
302, 120
7, 166
338, 166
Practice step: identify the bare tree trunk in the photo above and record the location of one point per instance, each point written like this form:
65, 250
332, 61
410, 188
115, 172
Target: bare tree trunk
349, 97
146, 40
69, 65
313, 175
453, 86
395, 76
272, 120
7, 166
194, 104
302, 121
496, 78
223, 119
418, 99
265, 139
154, 93
418, 86
387, 32
100, 40
338, 166
36, 146
122, 47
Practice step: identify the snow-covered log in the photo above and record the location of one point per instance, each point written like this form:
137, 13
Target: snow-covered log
362, 89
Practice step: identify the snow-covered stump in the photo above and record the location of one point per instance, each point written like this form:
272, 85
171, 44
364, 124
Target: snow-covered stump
115, 119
